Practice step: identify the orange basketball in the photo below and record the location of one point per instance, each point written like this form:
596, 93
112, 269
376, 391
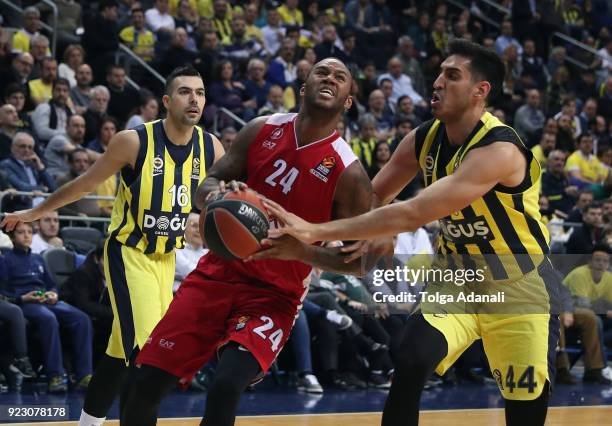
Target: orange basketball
234, 226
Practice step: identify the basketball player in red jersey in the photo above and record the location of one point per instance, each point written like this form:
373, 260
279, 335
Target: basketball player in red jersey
244, 311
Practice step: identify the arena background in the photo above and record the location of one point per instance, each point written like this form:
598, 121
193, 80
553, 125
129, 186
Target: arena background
253, 56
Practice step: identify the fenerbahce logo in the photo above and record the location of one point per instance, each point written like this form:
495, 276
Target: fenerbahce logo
466, 231
162, 225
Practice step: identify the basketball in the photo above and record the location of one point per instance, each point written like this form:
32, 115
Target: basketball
232, 227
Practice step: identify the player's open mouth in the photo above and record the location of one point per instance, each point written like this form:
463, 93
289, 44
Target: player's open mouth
435, 99
193, 111
326, 93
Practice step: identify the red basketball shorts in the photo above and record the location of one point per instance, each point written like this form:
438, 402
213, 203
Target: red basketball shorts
205, 315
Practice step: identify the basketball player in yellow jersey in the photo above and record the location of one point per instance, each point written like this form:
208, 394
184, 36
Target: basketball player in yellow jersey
161, 165
481, 185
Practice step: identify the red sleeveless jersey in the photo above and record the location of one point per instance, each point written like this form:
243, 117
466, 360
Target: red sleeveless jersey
303, 180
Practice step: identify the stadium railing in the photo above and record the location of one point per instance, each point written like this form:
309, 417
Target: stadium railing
51, 29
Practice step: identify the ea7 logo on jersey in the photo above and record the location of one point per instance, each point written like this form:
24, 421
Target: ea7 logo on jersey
324, 168
158, 166
162, 225
268, 144
466, 231
166, 344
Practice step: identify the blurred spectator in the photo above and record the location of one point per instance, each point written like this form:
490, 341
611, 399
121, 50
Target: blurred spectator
78, 161
98, 104
73, 59
25, 275
403, 126
80, 94
555, 185
273, 32
238, 48
586, 87
584, 198
405, 108
16, 96
565, 134
9, 125
606, 54
558, 89
292, 92
21, 69
402, 84
227, 137
256, 85
386, 87
222, 18
439, 37
108, 128
86, 290
584, 168
188, 257
412, 67
225, 92
148, 111
24, 169
187, 17
604, 103
138, 38
421, 34
58, 148
101, 38
274, 104
529, 118
12, 316
208, 56
31, 28
41, 88
328, 47
47, 236
281, 70
506, 39
384, 122
557, 59
542, 150
252, 30
588, 114
585, 238
533, 65
601, 137
50, 118
158, 19
123, 97
363, 146
290, 14
568, 107
39, 49
382, 154
178, 54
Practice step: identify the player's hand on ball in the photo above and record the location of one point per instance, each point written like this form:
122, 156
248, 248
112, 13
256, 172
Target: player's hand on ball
11, 220
289, 224
283, 248
217, 194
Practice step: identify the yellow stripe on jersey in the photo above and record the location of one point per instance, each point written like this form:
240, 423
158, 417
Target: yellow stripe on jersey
504, 221
151, 208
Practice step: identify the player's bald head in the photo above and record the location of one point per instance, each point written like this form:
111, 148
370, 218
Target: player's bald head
333, 62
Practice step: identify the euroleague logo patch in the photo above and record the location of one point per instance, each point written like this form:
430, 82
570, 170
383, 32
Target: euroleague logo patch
324, 168
195, 168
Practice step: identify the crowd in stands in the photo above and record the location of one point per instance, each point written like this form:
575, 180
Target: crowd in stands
59, 109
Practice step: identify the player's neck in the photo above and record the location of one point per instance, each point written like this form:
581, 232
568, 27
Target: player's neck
460, 128
309, 129
177, 133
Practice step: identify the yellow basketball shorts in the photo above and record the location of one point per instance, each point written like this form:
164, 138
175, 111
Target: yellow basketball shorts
140, 289
520, 347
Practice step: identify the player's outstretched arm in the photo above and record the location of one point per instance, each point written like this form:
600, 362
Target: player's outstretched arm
481, 170
231, 167
122, 150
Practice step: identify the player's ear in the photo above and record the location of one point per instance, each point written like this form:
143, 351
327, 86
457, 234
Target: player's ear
482, 89
302, 89
166, 101
348, 103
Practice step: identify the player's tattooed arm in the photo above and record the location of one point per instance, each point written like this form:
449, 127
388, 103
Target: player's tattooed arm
230, 169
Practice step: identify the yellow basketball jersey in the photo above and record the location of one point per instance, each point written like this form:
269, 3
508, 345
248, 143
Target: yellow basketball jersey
155, 198
505, 221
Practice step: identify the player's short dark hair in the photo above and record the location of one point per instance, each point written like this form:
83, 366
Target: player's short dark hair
184, 71
602, 247
484, 64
